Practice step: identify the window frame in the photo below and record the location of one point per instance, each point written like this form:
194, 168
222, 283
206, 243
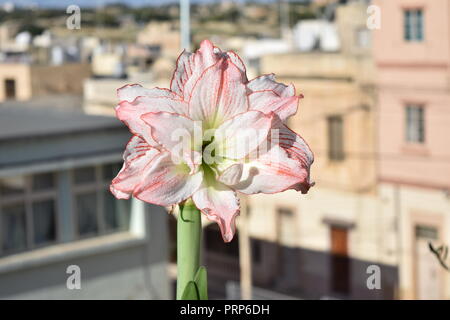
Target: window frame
99, 186
336, 153
362, 33
416, 121
27, 198
413, 24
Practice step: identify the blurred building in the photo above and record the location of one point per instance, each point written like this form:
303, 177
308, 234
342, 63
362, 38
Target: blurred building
23, 81
320, 245
166, 35
376, 116
413, 60
56, 211
7, 37
148, 62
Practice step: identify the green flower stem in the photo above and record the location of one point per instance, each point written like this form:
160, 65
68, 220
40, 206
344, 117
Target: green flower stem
189, 228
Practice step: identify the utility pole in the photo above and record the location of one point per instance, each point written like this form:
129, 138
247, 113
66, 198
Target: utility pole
245, 261
185, 27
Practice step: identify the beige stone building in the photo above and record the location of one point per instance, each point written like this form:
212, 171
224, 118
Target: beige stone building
327, 243
25, 81
166, 35
376, 118
337, 230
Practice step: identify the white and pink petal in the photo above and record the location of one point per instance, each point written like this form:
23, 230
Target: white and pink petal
232, 174
219, 94
137, 156
220, 204
272, 172
240, 135
268, 101
293, 143
130, 92
178, 134
166, 183
267, 82
190, 66
130, 113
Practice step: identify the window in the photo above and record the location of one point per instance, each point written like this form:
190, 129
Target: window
43, 181
10, 89
27, 212
97, 211
44, 222
335, 138
86, 212
426, 232
29, 208
14, 228
413, 20
84, 175
415, 123
362, 38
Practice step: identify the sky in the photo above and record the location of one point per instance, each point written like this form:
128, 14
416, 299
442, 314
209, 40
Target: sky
96, 3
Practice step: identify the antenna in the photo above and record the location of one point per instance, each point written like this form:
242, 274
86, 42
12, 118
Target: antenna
185, 28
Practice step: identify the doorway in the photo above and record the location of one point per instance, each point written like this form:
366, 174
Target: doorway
339, 260
428, 270
10, 89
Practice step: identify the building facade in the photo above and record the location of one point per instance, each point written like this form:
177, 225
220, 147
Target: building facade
412, 55
22, 81
325, 244
58, 219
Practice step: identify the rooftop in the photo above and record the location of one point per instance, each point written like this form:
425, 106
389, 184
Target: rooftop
23, 119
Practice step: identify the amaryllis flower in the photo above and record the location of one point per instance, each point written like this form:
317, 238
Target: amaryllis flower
211, 111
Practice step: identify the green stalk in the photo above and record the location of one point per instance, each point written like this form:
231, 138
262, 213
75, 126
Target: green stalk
188, 245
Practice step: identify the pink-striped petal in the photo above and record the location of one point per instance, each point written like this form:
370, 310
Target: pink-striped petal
130, 92
219, 94
130, 113
237, 61
232, 175
268, 101
137, 156
293, 143
273, 171
176, 133
118, 193
267, 82
189, 68
220, 204
166, 183
242, 134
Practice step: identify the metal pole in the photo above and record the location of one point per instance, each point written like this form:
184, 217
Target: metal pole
185, 28
245, 259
